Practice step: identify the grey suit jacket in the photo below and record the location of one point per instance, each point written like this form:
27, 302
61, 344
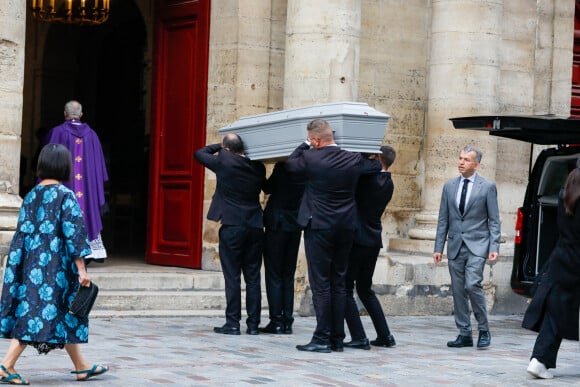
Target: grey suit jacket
478, 227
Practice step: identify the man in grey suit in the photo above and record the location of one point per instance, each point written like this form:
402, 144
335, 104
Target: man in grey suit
469, 219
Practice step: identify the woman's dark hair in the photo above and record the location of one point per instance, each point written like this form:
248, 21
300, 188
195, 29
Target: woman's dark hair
572, 190
54, 162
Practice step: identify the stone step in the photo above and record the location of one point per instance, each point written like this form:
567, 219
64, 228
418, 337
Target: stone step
159, 299
162, 313
147, 290
197, 280
164, 303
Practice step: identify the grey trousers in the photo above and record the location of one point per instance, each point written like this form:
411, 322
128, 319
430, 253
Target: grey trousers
466, 272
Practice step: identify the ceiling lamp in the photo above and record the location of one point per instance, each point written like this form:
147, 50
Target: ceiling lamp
87, 12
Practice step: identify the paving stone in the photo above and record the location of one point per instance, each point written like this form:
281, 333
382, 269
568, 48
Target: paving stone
184, 351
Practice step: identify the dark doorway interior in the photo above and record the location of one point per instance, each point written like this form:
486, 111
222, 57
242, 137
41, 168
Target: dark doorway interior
103, 68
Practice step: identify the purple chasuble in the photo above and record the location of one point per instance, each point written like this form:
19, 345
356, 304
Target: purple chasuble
89, 172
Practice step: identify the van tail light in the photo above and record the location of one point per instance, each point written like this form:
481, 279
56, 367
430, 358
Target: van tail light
519, 224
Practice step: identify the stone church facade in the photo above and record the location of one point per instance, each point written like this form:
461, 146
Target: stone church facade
420, 61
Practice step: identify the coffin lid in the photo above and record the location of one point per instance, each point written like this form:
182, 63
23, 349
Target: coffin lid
311, 112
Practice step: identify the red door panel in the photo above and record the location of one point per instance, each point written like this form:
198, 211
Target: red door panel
575, 101
178, 125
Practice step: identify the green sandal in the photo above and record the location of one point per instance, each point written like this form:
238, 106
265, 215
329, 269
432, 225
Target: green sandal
11, 378
96, 370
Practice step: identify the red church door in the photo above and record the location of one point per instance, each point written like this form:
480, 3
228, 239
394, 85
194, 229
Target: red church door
178, 125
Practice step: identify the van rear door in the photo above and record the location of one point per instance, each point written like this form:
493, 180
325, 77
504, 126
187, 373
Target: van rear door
536, 227
541, 130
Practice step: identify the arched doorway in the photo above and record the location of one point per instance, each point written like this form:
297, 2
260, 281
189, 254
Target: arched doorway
103, 68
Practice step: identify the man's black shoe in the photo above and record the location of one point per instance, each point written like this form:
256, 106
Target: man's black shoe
358, 344
287, 329
461, 341
484, 339
253, 331
313, 347
227, 330
272, 327
337, 347
387, 343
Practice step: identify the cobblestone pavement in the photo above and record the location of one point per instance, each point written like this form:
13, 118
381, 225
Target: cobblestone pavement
184, 351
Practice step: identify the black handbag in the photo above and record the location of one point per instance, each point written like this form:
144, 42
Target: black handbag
83, 302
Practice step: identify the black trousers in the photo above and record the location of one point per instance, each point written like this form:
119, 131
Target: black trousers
548, 340
327, 256
241, 252
280, 255
361, 267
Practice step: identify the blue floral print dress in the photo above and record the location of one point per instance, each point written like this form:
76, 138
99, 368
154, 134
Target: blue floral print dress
41, 278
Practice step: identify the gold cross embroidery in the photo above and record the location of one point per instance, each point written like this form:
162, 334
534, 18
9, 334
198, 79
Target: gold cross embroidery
78, 159
78, 176
79, 141
79, 194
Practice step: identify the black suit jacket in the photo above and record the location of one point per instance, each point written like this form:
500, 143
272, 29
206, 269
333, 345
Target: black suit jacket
236, 200
331, 176
285, 189
373, 193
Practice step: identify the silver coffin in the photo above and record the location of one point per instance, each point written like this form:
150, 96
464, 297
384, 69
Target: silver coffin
357, 126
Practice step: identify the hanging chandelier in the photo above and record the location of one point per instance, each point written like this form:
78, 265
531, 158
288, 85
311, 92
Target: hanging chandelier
86, 12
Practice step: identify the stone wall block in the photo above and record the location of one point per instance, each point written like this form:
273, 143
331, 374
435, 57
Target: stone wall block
474, 49
210, 259
407, 119
517, 55
419, 306
211, 232
394, 86
429, 274
225, 8
515, 92
224, 31
522, 20
463, 16
466, 82
10, 161
389, 272
406, 194
10, 116
254, 33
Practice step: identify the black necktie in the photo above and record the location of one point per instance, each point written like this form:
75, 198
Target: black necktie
463, 195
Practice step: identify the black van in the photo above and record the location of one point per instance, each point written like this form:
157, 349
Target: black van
536, 227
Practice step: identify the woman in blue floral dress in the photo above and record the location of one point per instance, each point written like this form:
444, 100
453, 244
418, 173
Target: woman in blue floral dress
45, 267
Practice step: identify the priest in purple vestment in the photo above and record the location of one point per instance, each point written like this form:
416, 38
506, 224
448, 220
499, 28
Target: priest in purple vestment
89, 171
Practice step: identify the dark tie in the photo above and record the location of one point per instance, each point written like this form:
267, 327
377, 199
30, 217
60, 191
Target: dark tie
463, 195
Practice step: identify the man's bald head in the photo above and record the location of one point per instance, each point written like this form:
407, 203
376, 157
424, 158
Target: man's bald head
233, 143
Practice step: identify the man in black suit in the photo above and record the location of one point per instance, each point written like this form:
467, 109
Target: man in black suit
236, 203
281, 246
328, 215
373, 193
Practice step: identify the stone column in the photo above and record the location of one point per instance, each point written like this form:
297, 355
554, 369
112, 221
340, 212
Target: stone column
12, 37
464, 76
322, 52
321, 65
